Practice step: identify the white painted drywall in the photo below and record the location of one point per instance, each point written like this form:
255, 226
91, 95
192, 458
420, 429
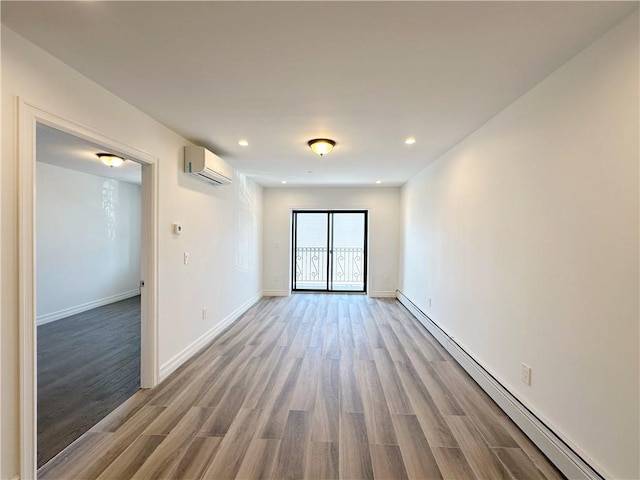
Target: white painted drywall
525, 237
2, 469
87, 241
222, 226
384, 220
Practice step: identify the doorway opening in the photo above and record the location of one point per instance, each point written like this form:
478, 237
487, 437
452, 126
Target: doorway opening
88, 232
30, 117
329, 251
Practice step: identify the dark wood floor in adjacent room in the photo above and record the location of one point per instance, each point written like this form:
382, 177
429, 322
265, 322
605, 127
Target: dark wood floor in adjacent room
310, 386
88, 364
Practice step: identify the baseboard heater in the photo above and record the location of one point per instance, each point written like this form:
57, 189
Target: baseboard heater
563, 456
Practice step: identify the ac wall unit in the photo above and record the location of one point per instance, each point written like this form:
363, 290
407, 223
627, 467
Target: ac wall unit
207, 166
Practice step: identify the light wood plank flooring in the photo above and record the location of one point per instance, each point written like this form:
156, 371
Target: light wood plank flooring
88, 364
310, 386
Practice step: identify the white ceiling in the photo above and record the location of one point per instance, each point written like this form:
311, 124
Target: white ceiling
366, 74
64, 150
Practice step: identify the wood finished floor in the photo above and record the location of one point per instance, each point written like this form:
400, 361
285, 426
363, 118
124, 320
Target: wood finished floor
88, 364
310, 386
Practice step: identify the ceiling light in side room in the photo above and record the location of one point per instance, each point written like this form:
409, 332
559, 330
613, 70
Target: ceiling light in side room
410, 140
321, 146
283, 182
378, 182
110, 160
243, 143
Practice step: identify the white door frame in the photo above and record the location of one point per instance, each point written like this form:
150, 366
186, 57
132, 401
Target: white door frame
28, 117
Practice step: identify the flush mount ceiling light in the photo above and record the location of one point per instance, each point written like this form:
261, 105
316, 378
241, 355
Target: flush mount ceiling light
110, 160
410, 141
243, 143
321, 146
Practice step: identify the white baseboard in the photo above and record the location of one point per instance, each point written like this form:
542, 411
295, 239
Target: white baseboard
563, 456
67, 312
382, 294
275, 293
173, 364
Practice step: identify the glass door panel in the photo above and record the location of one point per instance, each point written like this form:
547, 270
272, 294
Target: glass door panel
347, 252
311, 244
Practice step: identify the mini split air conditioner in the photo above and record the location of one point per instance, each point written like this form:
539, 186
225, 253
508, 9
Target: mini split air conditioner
207, 166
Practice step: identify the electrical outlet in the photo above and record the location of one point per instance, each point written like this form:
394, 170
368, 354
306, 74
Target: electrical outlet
525, 375
186, 258
204, 313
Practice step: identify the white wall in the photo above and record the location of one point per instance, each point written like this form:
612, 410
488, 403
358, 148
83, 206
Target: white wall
87, 241
222, 226
384, 213
525, 237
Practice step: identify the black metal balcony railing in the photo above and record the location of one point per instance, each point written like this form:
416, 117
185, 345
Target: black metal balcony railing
347, 266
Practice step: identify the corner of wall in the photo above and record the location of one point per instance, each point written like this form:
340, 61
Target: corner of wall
276, 293
382, 294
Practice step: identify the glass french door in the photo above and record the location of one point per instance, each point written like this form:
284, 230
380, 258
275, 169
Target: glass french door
329, 251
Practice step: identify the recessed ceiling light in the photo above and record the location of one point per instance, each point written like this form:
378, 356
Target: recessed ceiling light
283, 182
378, 181
410, 140
243, 143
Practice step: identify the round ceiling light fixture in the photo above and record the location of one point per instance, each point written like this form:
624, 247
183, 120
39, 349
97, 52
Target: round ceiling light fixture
321, 146
110, 160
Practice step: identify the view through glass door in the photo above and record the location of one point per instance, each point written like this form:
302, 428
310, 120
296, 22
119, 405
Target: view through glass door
329, 251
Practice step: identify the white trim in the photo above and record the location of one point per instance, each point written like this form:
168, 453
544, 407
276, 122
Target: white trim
29, 116
275, 293
382, 294
1, 317
174, 363
558, 450
149, 270
26, 289
67, 312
